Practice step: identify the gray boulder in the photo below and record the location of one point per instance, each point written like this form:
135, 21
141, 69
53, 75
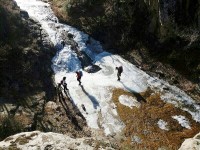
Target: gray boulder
191, 143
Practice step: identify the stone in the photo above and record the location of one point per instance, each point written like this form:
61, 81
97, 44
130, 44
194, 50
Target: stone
24, 14
92, 69
70, 36
191, 143
51, 105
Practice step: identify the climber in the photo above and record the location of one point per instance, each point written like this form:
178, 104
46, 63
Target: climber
64, 84
63, 43
119, 71
79, 74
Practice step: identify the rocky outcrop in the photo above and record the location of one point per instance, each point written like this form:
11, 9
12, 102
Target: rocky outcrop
64, 117
26, 76
159, 15
26, 55
180, 12
50, 140
191, 143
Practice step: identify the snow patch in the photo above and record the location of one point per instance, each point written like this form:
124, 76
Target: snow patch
182, 121
110, 120
136, 139
129, 101
162, 125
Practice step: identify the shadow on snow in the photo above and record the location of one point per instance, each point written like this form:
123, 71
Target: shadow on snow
92, 98
137, 95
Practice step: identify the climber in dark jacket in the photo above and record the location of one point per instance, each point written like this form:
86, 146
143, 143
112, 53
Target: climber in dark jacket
119, 72
78, 76
63, 43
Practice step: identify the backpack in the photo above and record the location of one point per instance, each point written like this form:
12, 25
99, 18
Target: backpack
120, 69
81, 73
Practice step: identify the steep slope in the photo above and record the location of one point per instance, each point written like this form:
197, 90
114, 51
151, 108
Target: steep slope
167, 29
98, 95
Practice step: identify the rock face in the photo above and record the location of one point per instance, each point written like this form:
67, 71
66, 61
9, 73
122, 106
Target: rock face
185, 12
157, 12
64, 117
26, 75
26, 53
191, 144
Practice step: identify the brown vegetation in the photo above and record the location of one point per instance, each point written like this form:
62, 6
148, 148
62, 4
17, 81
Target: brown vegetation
142, 123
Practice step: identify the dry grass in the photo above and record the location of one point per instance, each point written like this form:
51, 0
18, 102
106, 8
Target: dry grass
142, 122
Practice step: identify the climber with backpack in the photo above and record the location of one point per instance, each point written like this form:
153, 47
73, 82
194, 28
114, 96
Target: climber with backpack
63, 44
79, 74
119, 72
